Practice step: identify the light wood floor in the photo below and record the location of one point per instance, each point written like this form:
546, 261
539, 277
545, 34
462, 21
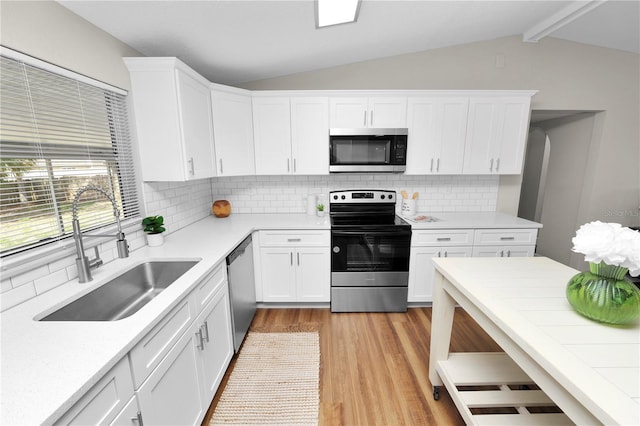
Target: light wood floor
374, 366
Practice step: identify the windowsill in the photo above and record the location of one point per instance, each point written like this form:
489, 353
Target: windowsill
39, 256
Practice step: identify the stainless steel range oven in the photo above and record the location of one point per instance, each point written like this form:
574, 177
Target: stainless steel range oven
370, 248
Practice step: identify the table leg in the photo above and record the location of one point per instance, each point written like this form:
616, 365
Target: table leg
441, 326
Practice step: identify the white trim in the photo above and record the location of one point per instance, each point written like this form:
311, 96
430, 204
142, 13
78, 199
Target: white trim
20, 263
559, 19
30, 60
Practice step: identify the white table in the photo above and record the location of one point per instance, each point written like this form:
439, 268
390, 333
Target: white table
590, 370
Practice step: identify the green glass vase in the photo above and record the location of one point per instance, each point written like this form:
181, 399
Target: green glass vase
603, 294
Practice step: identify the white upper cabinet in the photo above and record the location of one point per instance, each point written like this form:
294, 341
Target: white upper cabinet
233, 131
272, 135
357, 112
496, 135
291, 135
437, 134
172, 110
310, 135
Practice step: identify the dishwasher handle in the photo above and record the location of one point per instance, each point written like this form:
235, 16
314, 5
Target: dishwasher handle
239, 251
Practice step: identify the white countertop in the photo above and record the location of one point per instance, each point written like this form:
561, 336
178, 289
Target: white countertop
472, 220
598, 365
48, 366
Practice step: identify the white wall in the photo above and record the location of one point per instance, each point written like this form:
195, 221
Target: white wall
568, 76
49, 31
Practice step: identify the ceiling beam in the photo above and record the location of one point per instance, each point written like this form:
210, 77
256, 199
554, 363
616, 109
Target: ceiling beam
559, 19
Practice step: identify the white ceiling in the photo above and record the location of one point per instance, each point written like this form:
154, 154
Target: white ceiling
232, 42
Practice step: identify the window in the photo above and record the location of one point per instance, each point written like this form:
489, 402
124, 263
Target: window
57, 135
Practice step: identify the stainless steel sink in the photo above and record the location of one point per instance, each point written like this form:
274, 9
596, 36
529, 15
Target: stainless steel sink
125, 294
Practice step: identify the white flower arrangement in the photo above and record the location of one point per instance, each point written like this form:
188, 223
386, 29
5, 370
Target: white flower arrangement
610, 243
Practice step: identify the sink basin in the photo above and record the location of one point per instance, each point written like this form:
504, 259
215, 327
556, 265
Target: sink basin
125, 294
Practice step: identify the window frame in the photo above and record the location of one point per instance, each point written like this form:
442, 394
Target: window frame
41, 255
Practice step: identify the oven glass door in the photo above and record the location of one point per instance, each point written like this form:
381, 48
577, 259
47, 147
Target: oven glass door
370, 251
359, 150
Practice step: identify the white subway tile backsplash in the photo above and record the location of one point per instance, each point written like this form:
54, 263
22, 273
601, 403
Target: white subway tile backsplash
287, 194
51, 281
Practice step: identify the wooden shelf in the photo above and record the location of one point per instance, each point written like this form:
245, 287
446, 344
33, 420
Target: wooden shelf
490, 381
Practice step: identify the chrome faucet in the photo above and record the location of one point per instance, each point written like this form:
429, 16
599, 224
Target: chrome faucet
83, 263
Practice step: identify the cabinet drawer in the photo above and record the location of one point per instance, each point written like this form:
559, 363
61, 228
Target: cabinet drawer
485, 237
105, 399
445, 237
146, 355
205, 291
294, 238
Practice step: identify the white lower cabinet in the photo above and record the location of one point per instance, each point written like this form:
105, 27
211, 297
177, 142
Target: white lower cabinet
103, 403
130, 414
172, 374
172, 394
421, 269
295, 266
426, 244
217, 350
181, 387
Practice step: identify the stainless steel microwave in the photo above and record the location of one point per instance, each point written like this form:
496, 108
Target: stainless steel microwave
367, 150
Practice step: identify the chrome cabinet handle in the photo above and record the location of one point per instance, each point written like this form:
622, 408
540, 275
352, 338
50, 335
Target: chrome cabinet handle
443, 239
365, 118
291, 254
205, 327
497, 164
295, 167
501, 253
221, 168
445, 254
431, 164
371, 118
507, 238
138, 419
191, 167
200, 345
298, 258
294, 240
438, 165
491, 166
288, 165
508, 253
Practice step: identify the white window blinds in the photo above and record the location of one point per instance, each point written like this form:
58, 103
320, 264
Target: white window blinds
57, 135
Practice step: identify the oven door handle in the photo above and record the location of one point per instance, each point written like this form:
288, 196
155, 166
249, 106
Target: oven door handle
390, 232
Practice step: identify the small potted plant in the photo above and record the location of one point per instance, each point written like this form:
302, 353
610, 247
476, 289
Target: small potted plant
320, 209
154, 227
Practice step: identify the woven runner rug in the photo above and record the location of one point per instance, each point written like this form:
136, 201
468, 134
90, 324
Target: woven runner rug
275, 381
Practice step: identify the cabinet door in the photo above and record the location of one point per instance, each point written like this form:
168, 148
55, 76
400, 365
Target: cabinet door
272, 136
512, 135
437, 132
421, 269
496, 135
310, 135
102, 403
313, 274
348, 112
278, 274
215, 324
129, 414
233, 131
479, 156
197, 131
387, 112
172, 394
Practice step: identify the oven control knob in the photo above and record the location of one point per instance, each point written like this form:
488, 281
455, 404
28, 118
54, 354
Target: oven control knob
343, 197
390, 196
336, 249
335, 197
382, 196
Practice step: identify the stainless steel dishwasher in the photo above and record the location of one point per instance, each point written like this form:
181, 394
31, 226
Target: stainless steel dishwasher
242, 289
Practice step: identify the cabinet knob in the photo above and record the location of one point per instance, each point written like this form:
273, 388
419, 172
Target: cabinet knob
138, 419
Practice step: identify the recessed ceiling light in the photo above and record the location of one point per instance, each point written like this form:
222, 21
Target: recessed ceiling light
333, 12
